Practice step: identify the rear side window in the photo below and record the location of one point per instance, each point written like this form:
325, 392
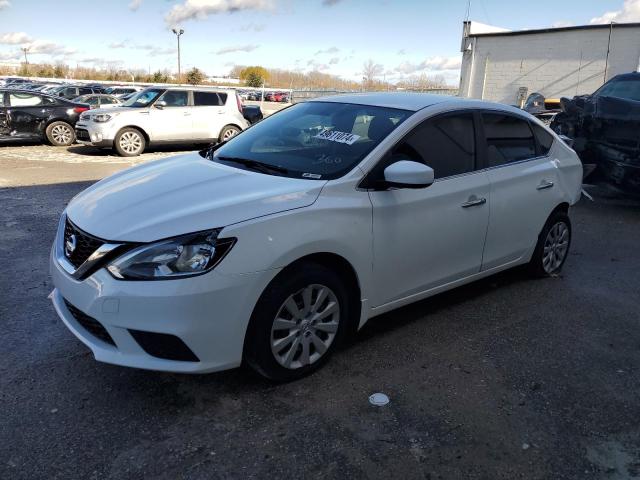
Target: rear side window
204, 99
545, 139
84, 91
446, 144
24, 100
509, 139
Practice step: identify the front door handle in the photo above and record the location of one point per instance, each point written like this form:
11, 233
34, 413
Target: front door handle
544, 184
474, 202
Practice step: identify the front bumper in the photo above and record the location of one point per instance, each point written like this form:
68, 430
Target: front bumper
95, 134
208, 313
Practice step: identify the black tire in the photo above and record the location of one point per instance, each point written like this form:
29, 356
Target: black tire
257, 346
228, 132
129, 136
60, 134
539, 266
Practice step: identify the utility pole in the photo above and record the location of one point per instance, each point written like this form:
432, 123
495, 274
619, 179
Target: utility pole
25, 50
178, 33
606, 62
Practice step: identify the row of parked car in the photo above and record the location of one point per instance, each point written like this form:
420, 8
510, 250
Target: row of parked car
256, 95
127, 122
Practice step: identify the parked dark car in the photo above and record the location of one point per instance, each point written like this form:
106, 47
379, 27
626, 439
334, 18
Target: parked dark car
73, 91
27, 115
604, 127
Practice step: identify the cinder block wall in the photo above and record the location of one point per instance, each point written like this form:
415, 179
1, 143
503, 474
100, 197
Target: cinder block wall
556, 64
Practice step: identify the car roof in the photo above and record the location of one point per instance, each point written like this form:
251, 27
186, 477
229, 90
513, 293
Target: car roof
413, 101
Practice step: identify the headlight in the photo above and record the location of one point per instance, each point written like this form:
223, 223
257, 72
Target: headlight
177, 257
101, 117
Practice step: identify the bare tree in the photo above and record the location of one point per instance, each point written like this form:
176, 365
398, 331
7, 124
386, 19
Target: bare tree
370, 70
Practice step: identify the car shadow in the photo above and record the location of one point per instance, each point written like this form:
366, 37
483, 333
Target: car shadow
87, 150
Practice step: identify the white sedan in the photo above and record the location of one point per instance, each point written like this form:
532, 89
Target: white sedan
272, 247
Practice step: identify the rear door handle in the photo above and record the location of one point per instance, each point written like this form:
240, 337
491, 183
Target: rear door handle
474, 202
544, 184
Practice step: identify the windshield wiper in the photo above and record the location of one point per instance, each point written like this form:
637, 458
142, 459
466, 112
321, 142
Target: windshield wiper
254, 165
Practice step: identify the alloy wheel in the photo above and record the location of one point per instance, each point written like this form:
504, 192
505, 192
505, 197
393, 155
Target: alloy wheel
229, 132
61, 134
130, 142
556, 246
305, 326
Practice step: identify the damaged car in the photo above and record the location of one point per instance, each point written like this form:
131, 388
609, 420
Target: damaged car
34, 116
604, 130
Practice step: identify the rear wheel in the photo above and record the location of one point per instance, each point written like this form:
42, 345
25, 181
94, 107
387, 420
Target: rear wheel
60, 134
297, 323
228, 132
553, 246
129, 142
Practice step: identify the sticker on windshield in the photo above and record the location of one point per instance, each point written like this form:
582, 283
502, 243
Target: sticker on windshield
340, 137
312, 175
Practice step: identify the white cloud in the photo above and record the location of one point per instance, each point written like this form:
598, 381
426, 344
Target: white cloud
48, 48
15, 38
121, 44
154, 50
236, 48
328, 50
253, 27
630, 12
561, 24
4, 4
135, 5
402, 51
434, 64
201, 9
334, 61
330, 3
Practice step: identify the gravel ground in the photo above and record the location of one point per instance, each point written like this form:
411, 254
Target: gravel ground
505, 378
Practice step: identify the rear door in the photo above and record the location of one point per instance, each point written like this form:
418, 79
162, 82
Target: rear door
208, 114
171, 117
524, 188
27, 114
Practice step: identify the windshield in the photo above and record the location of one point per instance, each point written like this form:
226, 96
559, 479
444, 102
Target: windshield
143, 98
628, 88
315, 140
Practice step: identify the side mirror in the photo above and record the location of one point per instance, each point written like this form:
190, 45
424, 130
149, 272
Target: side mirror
160, 104
408, 174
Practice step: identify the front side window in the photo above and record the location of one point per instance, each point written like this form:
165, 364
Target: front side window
106, 100
314, 140
446, 144
627, 88
202, 99
175, 98
24, 100
509, 139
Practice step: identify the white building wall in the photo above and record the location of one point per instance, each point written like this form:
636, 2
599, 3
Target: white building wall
556, 64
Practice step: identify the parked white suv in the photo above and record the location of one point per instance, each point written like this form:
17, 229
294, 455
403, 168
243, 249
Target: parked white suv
272, 247
163, 115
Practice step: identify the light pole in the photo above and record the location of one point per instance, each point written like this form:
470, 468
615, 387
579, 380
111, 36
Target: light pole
178, 33
25, 50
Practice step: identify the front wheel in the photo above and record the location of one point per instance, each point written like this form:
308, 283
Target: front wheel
228, 132
129, 142
60, 134
297, 323
553, 245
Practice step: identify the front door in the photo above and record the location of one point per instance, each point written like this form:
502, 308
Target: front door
171, 117
425, 238
27, 114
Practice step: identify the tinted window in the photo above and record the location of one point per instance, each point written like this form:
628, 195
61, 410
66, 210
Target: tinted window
175, 98
509, 139
628, 87
24, 100
446, 144
106, 100
314, 140
545, 139
209, 98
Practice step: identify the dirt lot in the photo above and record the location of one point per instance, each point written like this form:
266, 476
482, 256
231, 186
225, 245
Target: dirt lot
505, 378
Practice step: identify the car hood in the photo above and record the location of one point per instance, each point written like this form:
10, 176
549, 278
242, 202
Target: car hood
180, 195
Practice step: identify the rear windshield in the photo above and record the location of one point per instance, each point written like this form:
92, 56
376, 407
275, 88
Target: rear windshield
315, 140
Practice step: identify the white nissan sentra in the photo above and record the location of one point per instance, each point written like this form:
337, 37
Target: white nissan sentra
269, 249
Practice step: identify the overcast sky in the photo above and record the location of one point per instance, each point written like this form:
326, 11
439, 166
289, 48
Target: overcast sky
333, 36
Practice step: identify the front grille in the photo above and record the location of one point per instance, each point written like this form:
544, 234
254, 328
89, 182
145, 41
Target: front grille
84, 243
82, 134
90, 324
